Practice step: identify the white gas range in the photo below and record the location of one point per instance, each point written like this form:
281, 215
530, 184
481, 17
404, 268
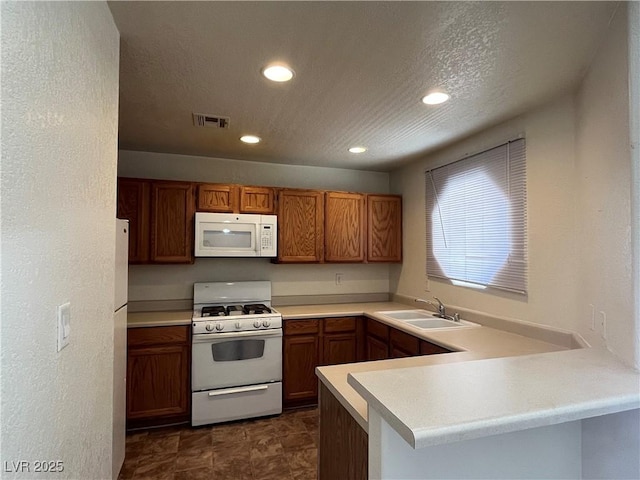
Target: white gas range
236, 361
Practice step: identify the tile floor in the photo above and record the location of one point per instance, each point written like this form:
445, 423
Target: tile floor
275, 448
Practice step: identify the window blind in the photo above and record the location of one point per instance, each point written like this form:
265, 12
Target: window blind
476, 219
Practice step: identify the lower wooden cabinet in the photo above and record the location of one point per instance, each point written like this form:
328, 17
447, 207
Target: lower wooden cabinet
383, 342
343, 450
310, 343
158, 381
376, 349
402, 344
300, 357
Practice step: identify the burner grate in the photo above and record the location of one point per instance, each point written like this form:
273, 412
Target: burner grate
215, 311
256, 309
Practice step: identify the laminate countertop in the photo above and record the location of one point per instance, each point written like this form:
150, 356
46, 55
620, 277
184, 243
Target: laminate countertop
159, 319
473, 343
497, 381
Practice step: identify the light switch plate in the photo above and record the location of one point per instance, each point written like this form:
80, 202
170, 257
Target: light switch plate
64, 325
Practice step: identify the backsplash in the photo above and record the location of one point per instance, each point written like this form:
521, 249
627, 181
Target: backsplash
164, 283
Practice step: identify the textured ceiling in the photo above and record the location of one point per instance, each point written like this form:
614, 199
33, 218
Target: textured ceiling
361, 71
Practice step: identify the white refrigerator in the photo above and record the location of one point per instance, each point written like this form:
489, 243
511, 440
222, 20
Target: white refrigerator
120, 345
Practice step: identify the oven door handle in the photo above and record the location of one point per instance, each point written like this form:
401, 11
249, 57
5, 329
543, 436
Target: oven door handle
211, 337
231, 391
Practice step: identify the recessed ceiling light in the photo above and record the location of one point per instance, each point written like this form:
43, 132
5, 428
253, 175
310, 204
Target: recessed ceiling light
435, 98
278, 73
250, 139
358, 149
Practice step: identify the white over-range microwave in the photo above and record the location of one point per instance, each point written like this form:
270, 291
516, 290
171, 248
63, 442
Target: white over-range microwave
236, 235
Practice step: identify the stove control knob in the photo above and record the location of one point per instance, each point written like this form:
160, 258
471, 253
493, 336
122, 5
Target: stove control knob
238, 325
266, 323
256, 324
219, 327
209, 327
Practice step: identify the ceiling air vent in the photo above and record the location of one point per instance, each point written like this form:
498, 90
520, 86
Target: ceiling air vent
213, 121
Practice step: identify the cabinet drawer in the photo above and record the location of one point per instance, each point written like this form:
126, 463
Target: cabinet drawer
404, 341
300, 327
377, 329
145, 336
340, 324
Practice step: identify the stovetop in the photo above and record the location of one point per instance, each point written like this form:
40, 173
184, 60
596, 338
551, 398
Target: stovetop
221, 307
234, 310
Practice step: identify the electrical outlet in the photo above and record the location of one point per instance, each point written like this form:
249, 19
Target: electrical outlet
338, 278
64, 325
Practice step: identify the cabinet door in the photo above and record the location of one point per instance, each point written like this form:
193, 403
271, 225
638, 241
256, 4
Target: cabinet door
428, 348
378, 330
157, 381
172, 211
219, 198
338, 348
376, 349
300, 358
300, 226
384, 228
402, 344
259, 200
134, 205
344, 232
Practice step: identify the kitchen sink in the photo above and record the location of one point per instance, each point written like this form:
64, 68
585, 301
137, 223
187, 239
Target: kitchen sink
438, 323
425, 320
407, 314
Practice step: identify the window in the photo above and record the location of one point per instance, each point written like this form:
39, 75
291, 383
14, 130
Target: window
476, 219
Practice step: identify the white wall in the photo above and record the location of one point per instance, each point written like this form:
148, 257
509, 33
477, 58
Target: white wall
603, 193
171, 282
549, 133
59, 151
169, 166
578, 187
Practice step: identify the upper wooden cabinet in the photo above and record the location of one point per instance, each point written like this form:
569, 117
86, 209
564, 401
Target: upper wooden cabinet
300, 226
227, 198
260, 200
384, 228
160, 215
134, 199
221, 198
172, 215
344, 232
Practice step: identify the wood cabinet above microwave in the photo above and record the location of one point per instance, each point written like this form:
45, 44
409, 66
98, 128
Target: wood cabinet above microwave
229, 198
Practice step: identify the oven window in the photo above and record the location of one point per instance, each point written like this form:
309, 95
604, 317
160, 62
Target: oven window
234, 350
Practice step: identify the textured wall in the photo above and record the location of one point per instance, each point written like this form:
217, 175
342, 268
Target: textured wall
59, 150
218, 170
549, 133
603, 168
161, 282
578, 187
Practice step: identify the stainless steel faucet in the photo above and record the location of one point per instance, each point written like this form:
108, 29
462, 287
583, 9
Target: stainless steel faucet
442, 311
428, 302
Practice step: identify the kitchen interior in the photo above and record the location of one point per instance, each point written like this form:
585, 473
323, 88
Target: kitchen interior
275, 314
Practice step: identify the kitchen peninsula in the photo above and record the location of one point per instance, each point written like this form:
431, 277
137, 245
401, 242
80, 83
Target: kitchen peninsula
512, 406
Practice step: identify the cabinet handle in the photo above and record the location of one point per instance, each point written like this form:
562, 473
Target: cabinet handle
231, 391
